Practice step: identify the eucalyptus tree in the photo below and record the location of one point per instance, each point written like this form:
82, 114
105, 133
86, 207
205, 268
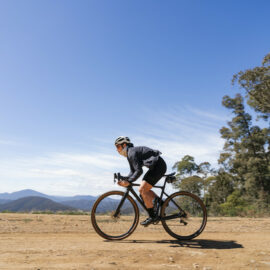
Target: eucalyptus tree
246, 151
193, 177
256, 83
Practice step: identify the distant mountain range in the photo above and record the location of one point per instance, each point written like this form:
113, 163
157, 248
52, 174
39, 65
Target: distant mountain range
33, 203
4, 201
29, 192
85, 205
29, 200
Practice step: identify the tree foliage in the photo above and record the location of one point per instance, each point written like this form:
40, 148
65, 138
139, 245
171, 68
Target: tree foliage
256, 83
241, 184
186, 166
235, 205
246, 149
193, 177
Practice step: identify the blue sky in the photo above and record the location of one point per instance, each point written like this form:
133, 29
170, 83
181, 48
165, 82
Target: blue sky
74, 75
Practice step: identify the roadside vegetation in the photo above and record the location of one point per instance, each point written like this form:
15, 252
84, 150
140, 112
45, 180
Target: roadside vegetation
240, 186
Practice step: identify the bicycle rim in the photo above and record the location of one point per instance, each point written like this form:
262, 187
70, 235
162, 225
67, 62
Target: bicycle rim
188, 215
109, 224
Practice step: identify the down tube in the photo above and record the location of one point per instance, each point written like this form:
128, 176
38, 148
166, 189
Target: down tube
120, 204
138, 199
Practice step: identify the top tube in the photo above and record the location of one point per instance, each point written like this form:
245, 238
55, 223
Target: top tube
165, 175
117, 176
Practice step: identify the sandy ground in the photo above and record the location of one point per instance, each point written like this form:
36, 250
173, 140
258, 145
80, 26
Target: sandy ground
42, 242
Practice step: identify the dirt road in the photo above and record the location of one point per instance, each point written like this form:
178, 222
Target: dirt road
42, 242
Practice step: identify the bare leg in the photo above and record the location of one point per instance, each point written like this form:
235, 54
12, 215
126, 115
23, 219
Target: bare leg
147, 194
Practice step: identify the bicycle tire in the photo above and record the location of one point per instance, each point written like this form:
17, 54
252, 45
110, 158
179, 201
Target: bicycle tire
177, 227
98, 220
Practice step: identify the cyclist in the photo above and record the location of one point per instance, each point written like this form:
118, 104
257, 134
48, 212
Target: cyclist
138, 157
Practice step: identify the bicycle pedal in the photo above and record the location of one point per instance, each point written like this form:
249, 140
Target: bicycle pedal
183, 221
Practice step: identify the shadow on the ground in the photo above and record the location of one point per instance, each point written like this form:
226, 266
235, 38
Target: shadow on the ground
198, 243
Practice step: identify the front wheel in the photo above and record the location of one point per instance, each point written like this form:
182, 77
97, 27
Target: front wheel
115, 215
183, 215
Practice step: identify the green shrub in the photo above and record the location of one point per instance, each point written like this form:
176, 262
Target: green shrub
235, 205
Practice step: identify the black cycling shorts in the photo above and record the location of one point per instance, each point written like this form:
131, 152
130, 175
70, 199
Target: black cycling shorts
153, 175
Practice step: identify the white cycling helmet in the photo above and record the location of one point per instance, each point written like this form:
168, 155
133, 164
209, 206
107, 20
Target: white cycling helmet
121, 140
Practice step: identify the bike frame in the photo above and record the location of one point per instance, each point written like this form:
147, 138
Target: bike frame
131, 190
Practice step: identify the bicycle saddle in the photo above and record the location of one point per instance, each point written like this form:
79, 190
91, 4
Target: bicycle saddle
170, 178
170, 174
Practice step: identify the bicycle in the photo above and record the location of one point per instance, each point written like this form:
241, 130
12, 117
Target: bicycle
115, 214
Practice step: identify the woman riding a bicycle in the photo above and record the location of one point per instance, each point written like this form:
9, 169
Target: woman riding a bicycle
138, 157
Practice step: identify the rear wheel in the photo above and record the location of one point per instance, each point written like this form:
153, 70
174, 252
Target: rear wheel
184, 215
115, 216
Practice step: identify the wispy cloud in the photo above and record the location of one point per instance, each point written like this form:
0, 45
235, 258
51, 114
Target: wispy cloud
80, 173
180, 132
175, 133
207, 115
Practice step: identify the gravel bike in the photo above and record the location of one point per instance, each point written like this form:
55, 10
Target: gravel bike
115, 214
